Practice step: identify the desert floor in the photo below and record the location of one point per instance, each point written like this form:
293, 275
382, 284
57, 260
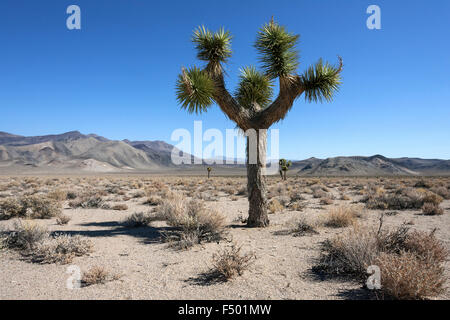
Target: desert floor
148, 268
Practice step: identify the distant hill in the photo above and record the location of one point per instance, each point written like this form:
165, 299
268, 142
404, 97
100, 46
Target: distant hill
76, 152
371, 166
73, 151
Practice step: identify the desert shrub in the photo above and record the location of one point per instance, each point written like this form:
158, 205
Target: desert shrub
296, 196
296, 206
34, 207
349, 254
405, 199
339, 217
138, 194
95, 275
138, 219
62, 219
35, 244
87, 201
153, 200
344, 197
230, 262
119, 207
433, 198
61, 248
71, 195
326, 201
422, 183
242, 191
40, 207
441, 191
59, 195
275, 205
319, 193
303, 227
425, 246
10, 208
410, 262
193, 223
432, 209
404, 276
26, 235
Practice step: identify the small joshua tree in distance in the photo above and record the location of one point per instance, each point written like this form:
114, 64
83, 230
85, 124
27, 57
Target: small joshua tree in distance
251, 106
284, 167
209, 169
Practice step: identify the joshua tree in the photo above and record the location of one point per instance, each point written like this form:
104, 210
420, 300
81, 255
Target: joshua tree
250, 107
284, 167
209, 169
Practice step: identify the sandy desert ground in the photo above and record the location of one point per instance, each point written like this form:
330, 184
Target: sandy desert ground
140, 265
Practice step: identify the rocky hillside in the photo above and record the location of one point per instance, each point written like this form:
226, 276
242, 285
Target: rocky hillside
371, 166
74, 151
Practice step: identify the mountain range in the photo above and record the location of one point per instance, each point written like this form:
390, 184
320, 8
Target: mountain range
77, 152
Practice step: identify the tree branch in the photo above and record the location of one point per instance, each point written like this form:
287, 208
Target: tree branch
290, 88
227, 103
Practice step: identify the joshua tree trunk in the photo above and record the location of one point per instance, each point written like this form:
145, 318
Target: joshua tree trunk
285, 171
256, 183
208, 174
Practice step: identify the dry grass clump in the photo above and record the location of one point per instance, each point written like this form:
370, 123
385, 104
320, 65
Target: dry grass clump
339, 217
442, 191
303, 227
242, 191
97, 275
192, 222
410, 262
431, 209
275, 206
71, 195
62, 219
59, 195
344, 197
153, 200
35, 244
319, 193
62, 248
403, 199
25, 235
404, 276
87, 201
33, 207
138, 219
41, 208
326, 201
120, 207
230, 262
10, 208
422, 183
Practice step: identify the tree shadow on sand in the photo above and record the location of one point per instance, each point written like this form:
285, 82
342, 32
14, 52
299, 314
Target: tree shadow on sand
361, 293
207, 278
146, 234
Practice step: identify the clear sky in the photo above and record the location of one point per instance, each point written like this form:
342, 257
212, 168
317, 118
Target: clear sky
115, 77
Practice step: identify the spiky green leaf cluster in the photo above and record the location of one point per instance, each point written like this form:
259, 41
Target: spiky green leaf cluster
276, 47
284, 164
254, 86
212, 47
195, 90
321, 81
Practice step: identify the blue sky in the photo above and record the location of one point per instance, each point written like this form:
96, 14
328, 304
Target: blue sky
116, 76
